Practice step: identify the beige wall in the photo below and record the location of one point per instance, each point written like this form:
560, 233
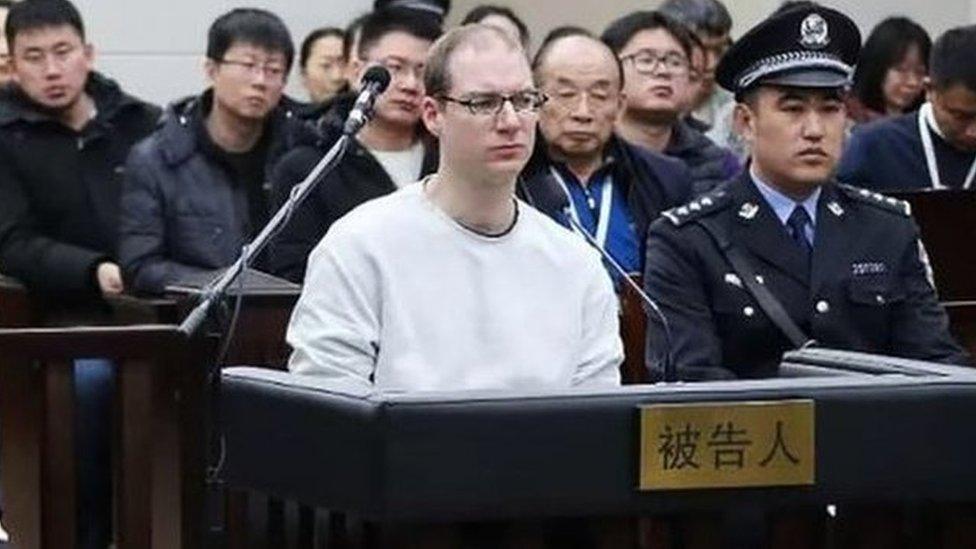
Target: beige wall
542, 15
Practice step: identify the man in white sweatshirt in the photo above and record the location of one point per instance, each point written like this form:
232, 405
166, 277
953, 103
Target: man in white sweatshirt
452, 283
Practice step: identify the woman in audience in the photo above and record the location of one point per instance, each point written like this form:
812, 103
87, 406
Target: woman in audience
323, 64
890, 73
501, 18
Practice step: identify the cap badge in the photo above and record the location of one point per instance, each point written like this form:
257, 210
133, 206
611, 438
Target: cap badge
814, 34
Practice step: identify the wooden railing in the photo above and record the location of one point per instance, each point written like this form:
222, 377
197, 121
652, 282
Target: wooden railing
160, 445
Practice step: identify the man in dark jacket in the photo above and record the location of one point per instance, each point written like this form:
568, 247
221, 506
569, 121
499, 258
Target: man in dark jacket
615, 189
64, 134
195, 190
391, 151
655, 51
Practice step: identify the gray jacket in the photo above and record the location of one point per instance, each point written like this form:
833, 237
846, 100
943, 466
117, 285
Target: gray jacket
182, 213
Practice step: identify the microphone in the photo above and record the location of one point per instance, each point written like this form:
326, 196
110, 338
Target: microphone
551, 196
374, 83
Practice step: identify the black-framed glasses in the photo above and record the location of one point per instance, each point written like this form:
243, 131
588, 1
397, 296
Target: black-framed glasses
529, 101
270, 70
648, 61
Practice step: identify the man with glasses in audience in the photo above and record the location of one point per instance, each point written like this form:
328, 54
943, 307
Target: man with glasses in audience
391, 151
195, 191
615, 189
452, 283
655, 51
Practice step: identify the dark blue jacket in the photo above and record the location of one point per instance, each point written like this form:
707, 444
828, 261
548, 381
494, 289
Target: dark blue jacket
652, 182
886, 155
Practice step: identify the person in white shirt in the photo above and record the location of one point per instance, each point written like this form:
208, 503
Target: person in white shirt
452, 283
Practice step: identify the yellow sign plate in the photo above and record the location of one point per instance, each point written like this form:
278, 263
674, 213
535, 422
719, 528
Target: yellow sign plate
727, 445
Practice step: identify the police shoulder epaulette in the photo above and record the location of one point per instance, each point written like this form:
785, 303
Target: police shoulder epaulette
705, 204
891, 204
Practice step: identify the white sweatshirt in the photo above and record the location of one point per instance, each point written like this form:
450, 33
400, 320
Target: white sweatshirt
401, 296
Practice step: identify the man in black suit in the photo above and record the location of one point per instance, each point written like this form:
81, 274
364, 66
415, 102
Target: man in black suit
784, 254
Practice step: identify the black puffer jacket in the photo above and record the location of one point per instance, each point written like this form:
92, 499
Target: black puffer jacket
59, 188
182, 211
358, 177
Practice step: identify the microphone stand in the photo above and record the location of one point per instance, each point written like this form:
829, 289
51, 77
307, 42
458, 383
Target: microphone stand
670, 374
216, 290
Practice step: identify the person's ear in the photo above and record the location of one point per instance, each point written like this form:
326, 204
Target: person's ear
88, 51
210, 68
430, 113
744, 122
930, 90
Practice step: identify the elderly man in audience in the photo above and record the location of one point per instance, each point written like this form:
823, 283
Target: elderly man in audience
934, 148
391, 151
195, 190
65, 131
656, 51
615, 189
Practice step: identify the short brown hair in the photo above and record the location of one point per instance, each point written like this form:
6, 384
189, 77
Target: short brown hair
437, 77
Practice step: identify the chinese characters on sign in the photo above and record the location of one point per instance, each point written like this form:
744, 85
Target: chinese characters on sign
727, 445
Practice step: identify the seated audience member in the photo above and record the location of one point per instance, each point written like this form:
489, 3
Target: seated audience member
322, 61
391, 151
615, 189
655, 52
501, 18
890, 74
195, 190
934, 147
710, 21
436, 10
433, 287
787, 231
65, 131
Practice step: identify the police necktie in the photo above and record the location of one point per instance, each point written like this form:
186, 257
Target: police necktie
797, 224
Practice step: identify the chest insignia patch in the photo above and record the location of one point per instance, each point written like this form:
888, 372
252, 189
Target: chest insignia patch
868, 268
835, 208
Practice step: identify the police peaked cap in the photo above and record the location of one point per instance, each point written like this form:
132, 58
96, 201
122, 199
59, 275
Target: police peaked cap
810, 47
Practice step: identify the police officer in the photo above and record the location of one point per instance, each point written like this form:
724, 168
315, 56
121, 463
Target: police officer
784, 255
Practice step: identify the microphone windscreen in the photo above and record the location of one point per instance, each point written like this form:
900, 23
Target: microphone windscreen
549, 195
378, 76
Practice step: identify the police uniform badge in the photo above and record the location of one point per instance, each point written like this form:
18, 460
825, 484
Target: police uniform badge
814, 32
748, 210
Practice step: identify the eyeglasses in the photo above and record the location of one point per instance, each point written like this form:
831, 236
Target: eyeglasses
529, 101
272, 71
648, 61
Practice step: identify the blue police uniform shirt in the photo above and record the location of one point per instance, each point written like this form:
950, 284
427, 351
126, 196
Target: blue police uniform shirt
783, 205
622, 243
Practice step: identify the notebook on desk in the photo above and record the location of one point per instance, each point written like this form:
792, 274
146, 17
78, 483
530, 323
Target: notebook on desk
947, 220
